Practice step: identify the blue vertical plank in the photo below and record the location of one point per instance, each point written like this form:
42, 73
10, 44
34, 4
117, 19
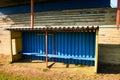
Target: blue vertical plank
37, 42
78, 52
87, 47
83, 52
34, 48
56, 45
76, 47
62, 46
23, 42
37, 37
51, 45
80, 46
94, 42
32, 43
79, 49
59, 42
91, 47
70, 35
49, 40
40, 44
29, 43
69, 45
53, 42
66, 46
43, 45
26, 42
59, 46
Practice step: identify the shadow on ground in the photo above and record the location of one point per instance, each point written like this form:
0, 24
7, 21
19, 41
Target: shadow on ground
102, 68
28, 61
109, 69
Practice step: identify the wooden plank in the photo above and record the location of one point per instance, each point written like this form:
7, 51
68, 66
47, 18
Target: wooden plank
14, 46
11, 46
109, 36
96, 16
96, 53
109, 53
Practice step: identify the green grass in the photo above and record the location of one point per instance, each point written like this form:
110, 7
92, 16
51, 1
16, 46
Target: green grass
6, 76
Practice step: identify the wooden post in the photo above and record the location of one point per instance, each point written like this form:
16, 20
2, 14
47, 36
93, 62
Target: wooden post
46, 41
118, 15
32, 13
11, 51
96, 52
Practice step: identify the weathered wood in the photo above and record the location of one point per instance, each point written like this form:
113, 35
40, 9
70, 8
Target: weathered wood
109, 36
5, 45
96, 16
109, 53
96, 53
16, 38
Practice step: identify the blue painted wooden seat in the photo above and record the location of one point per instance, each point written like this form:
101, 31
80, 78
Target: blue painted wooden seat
59, 56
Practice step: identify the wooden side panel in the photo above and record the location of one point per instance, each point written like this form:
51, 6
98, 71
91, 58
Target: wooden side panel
109, 45
109, 36
16, 45
109, 54
14, 51
5, 42
96, 16
96, 52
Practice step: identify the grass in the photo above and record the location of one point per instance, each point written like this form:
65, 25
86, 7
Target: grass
7, 76
10, 62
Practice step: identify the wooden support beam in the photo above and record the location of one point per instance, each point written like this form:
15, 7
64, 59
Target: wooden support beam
11, 50
46, 41
118, 15
96, 53
32, 13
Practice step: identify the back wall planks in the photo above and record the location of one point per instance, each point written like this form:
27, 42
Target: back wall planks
95, 16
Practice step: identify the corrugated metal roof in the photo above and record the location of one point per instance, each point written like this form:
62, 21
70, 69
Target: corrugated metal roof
58, 29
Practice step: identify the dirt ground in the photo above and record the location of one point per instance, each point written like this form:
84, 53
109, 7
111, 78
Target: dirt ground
35, 70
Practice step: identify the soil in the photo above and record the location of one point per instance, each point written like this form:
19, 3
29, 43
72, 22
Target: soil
35, 68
